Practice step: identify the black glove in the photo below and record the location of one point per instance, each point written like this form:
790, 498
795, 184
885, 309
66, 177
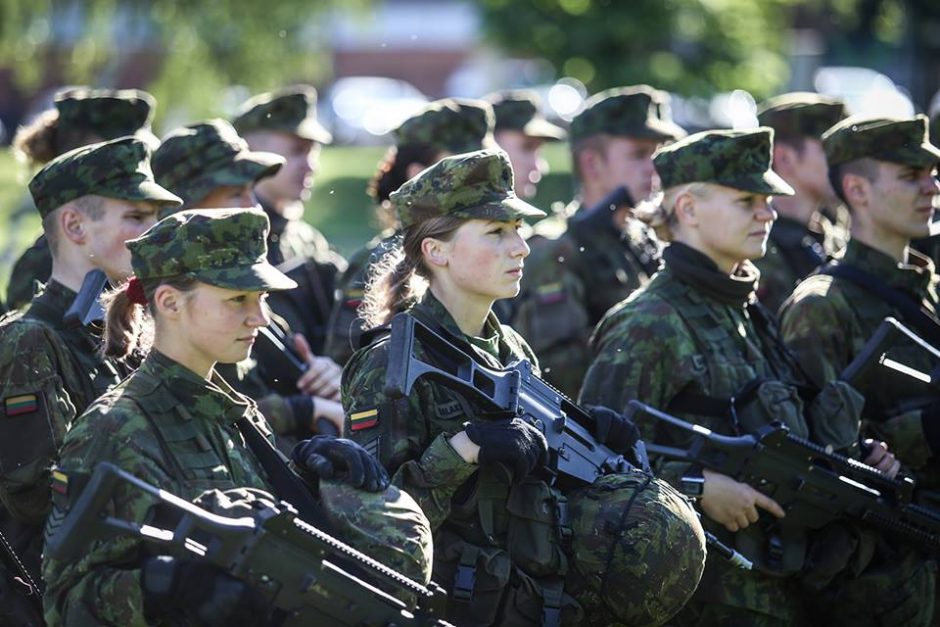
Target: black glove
340, 459
618, 432
515, 444
201, 591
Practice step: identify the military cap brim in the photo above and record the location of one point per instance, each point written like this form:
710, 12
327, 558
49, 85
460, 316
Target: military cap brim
767, 183
260, 277
896, 140
540, 128
248, 167
659, 130
512, 208
314, 131
149, 191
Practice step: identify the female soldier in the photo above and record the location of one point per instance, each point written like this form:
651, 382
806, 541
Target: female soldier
695, 343
512, 549
175, 423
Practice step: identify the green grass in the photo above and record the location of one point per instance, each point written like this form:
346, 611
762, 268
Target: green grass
339, 205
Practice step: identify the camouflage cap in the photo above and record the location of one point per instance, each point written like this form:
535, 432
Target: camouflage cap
222, 247
471, 185
519, 111
453, 125
196, 159
800, 114
118, 169
738, 159
290, 110
107, 113
898, 140
639, 111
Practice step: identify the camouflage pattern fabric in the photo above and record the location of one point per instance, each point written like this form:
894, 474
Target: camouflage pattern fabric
794, 251
117, 169
35, 264
223, 247
897, 140
290, 110
738, 159
796, 115
676, 335
639, 111
106, 113
570, 282
194, 160
635, 556
48, 375
453, 125
172, 428
475, 185
519, 111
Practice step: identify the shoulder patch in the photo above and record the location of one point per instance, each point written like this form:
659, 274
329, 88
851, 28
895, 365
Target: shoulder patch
21, 404
448, 410
550, 293
365, 419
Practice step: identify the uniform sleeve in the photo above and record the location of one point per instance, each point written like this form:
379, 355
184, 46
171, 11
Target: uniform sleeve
641, 351
402, 434
816, 331
36, 411
103, 586
551, 315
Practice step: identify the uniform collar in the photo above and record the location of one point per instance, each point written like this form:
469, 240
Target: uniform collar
915, 276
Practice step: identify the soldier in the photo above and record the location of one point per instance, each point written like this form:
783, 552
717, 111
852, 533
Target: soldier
797, 244
210, 167
695, 342
520, 131
884, 170
202, 277
284, 122
602, 257
442, 128
91, 199
631, 550
81, 116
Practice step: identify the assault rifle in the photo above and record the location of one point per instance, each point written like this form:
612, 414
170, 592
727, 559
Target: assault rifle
295, 566
812, 484
875, 352
86, 307
573, 451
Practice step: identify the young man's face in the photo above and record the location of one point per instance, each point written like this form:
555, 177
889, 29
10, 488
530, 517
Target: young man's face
119, 221
294, 180
809, 172
628, 161
901, 200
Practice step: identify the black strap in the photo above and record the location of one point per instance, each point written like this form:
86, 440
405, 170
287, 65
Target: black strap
45, 314
23, 582
911, 311
288, 486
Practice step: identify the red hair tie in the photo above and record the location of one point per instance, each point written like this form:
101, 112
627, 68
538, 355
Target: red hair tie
135, 291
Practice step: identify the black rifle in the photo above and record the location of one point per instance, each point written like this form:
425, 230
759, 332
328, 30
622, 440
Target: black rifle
875, 352
297, 568
86, 309
812, 484
573, 451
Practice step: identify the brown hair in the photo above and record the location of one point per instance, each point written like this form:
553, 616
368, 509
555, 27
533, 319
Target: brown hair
393, 172
400, 279
597, 143
866, 167
44, 139
128, 327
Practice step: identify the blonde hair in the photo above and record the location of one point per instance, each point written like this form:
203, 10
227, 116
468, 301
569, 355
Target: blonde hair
660, 210
129, 326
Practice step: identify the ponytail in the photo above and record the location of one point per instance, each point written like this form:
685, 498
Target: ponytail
129, 314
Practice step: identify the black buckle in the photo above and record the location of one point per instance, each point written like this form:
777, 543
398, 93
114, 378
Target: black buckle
551, 616
464, 580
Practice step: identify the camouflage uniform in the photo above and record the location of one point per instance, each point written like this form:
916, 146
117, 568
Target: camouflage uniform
448, 126
630, 549
83, 113
171, 427
688, 342
571, 281
50, 371
794, 250
294, 246
826, 323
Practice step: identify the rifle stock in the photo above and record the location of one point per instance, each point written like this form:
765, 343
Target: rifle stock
298, 568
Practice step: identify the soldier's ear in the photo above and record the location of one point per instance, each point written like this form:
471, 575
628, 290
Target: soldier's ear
785, 158
434, 252
413, 169
168, 301
685, 208
856, 189
71, 224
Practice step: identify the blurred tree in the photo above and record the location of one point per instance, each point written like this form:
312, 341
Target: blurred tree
190, 50
687, 46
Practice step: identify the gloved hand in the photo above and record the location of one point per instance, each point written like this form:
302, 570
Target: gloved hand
618, 432
197, 590
328, 457
520, 447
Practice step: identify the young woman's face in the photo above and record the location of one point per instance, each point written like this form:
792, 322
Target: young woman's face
485, 257
730, 225
220, 325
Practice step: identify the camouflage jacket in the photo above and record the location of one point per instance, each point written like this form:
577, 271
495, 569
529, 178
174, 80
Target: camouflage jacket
793, 253
171, 428
345, 325
568, 285
674, 338
35, 264
827, 322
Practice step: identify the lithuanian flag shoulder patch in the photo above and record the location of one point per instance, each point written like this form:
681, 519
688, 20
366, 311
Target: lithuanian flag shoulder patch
365, 419
21, 404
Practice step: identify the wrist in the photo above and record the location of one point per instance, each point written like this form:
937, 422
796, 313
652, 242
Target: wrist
464, 446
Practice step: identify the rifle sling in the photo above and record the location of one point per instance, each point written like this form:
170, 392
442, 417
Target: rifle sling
287, 485
912, 312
